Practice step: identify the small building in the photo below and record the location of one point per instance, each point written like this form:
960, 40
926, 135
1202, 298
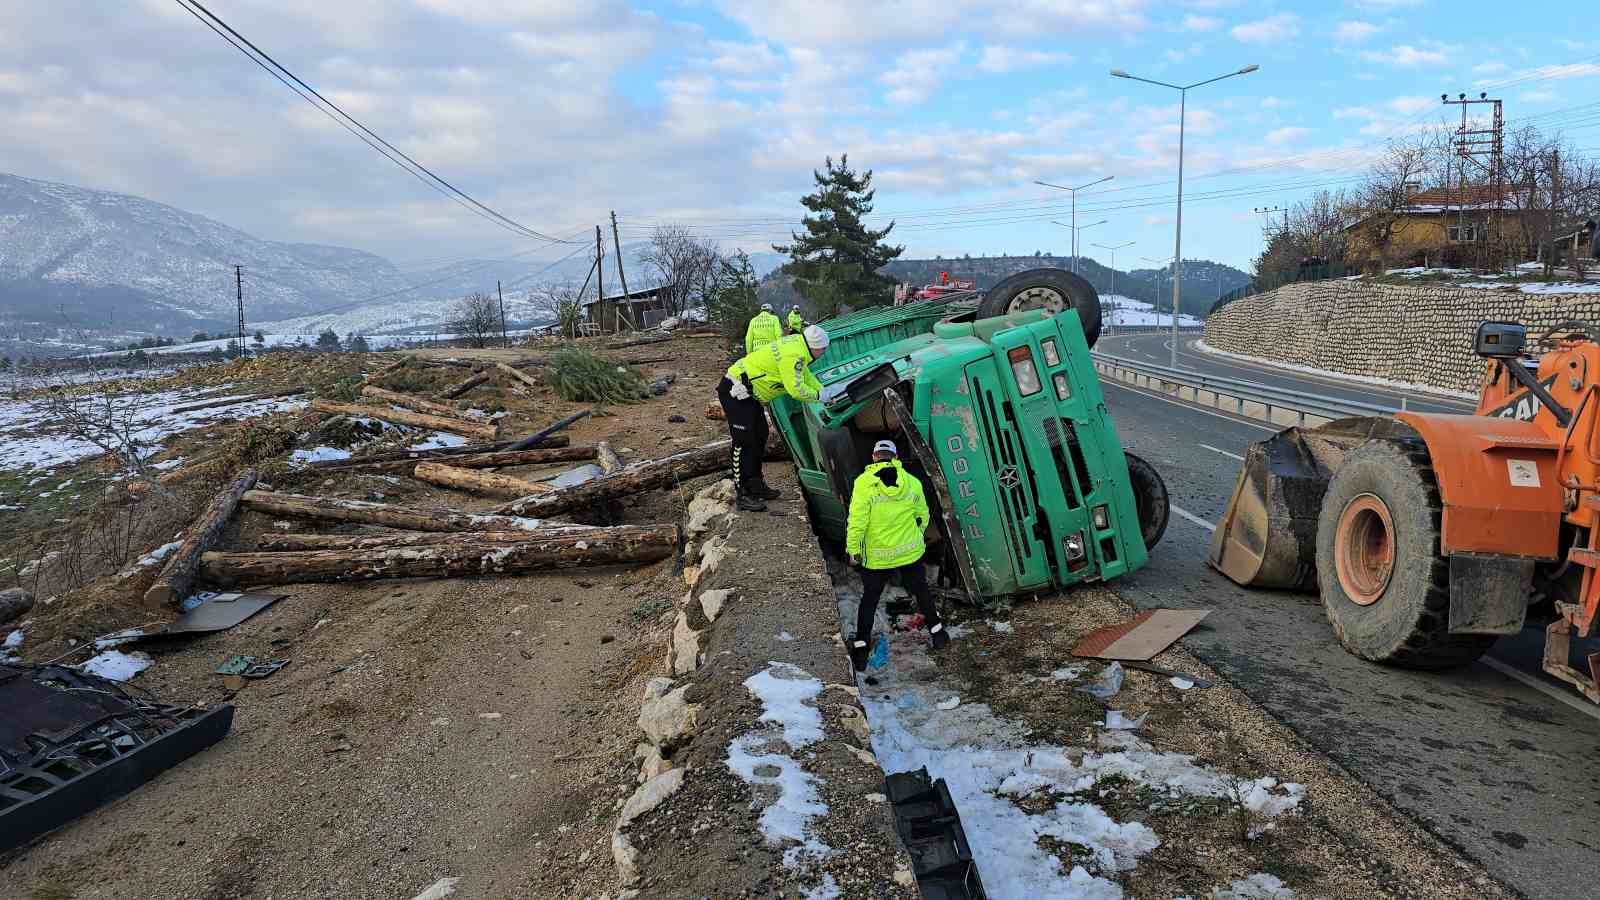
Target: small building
644, 308
1438, 226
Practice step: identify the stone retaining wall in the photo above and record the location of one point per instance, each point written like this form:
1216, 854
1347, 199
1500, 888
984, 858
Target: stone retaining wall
1417, 334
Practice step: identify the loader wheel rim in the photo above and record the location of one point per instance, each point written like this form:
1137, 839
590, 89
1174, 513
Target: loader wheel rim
1365, 549
1038, 298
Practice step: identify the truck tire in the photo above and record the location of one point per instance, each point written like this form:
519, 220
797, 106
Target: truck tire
1150, 498
1050, 289
1385, 587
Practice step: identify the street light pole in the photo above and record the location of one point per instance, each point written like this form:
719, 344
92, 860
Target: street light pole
1177, 240
1114, 248
1074, 226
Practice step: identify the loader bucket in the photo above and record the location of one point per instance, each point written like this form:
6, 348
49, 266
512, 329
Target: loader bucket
1268, 535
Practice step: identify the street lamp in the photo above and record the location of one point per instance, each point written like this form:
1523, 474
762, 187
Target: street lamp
1114, 248
1074, 226
1161, 265
1177, 241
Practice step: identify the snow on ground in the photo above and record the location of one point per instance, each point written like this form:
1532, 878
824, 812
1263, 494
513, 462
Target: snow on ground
118, 666
301, 341
1203, 347
989, 765
1490, 282
1119, 310
766, 757
439, 440
317, 454
34, 437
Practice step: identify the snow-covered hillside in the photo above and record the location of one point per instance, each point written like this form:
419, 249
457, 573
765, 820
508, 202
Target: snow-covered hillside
409, 313
1116, 309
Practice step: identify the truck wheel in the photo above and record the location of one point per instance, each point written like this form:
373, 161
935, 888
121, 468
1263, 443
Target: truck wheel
1384, 586
1150, 498
1049, 289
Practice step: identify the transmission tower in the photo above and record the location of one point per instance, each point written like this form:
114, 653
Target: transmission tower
238, 280
1484, 148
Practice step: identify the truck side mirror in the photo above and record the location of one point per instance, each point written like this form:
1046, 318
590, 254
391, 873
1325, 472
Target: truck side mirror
1500, 340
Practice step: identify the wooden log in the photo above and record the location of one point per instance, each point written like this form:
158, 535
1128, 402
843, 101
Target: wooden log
639, 341
410, 402
302, 506
529, 362
608, 458
517, 375
493, 460
559, 440
477, 481
462, 387
482, 431
278, 542
597, 546
395, 366
542, 437
648, 475
177, 576
230, 401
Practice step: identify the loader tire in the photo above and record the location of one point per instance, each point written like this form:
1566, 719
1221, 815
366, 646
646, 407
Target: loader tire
1048, 289
1150, 498
1385, 587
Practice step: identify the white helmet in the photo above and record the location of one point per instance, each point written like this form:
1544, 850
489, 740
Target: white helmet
766, 307
816, 338
885, 447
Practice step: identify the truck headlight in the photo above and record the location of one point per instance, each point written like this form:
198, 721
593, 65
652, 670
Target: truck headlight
1102, 518
1073, 546
1052, 356
1063, 389
1022, 369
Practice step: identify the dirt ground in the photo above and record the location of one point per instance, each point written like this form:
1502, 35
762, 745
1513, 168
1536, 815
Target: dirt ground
424, 729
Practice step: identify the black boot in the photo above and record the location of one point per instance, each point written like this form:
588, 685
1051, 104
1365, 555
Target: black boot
938, 637
750, 502
765, 491
859, 649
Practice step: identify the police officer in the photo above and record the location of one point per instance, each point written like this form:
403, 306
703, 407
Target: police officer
796, 322
763, 329
888, 515
772, 370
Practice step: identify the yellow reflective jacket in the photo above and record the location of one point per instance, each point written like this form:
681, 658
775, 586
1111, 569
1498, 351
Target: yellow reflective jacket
781, 367
763, 329
796, 323
886, 521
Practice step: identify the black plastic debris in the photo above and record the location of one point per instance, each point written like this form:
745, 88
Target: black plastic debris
930, 827
71, 741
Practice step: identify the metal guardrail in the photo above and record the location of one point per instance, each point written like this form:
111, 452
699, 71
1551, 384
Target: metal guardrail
1246, 395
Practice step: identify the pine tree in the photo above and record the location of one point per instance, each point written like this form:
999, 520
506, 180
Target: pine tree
836, 261
328, 340
358, 344
732, 301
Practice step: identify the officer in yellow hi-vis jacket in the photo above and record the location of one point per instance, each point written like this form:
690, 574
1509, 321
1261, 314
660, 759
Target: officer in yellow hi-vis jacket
764, 328
771, 371
888, 515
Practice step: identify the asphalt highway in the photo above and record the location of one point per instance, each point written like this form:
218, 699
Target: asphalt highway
1496, 758
1156, 349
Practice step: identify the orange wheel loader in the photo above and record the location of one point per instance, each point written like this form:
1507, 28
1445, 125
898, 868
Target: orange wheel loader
1430, 535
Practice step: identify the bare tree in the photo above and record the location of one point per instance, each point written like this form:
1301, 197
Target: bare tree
683, 266
1313, 233
476, 317
1384, 199
562, 301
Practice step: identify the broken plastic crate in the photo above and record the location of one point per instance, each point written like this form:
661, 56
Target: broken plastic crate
930, 827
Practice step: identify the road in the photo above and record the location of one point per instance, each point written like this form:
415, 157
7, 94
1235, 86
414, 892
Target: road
1496, 758
1156, 349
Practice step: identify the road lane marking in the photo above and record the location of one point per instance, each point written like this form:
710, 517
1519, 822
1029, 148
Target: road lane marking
1223, 452
1554, 693
1185, 514
1352, 385
1189, 406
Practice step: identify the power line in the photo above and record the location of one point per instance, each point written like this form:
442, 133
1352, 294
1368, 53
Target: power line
333, 111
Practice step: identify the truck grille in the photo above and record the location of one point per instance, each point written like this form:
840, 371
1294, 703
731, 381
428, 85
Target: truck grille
1068, 456
1006, 459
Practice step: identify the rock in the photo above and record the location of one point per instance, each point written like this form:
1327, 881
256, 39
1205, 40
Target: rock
711, 602
650, 795
670, 719
709, 507
625, 857
651, 762
855, 723
903, 876
14, 604
440, 889
865, 756
711, 556
685, 646
657, 688
676, 419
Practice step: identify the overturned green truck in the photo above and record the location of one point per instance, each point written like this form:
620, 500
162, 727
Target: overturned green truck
995, 405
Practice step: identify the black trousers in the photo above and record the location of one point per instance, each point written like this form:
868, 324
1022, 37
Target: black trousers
912, 577
747, 425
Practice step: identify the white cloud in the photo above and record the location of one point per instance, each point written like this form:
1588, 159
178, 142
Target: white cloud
833, 23
1537, 96
1273, 29
1288, 135
1000, 59
1193, 22
1488, 68
1354, 31
917, 73
1430, 53
1408, 106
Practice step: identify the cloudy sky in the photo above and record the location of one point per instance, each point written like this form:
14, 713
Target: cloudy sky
711, 113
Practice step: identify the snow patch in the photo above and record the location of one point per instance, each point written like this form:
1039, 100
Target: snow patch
783, 690
115, 665
318, 454
439, 440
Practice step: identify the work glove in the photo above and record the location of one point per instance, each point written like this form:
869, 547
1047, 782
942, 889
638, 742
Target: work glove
739, 391
855, 561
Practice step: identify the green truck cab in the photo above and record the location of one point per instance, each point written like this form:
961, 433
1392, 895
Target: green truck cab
997, 408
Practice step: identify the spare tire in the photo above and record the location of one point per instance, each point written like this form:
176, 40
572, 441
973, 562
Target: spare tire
1048, 289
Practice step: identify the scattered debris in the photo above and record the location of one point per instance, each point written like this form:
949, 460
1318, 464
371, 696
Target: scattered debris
949, 703
1107, 685
930, 827
114, 665
1141, 637
1116, 720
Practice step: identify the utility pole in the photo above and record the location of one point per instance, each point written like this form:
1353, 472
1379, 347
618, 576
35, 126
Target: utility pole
1114, 248
1555, 199
499, 289
616, 242
238, 281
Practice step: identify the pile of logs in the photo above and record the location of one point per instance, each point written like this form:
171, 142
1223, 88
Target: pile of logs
405, 541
